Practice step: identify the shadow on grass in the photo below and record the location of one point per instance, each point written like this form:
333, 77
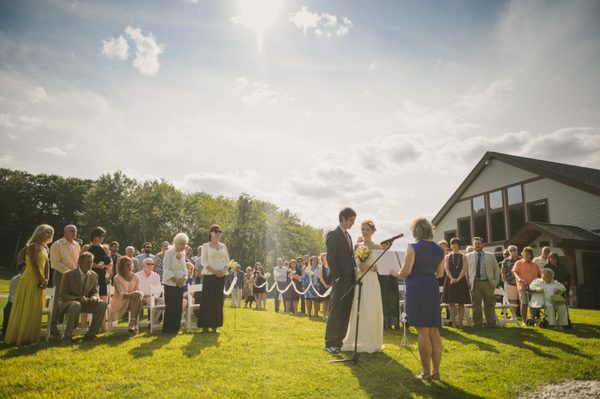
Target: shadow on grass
465, 339
25, 350
584, 330
387, 378
147, 348
532, 339
199, 342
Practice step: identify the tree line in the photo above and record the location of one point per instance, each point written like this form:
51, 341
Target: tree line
135, 211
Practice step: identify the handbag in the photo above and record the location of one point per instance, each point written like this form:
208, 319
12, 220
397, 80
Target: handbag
557, 299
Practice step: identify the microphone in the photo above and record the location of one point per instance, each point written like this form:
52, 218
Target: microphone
389, 241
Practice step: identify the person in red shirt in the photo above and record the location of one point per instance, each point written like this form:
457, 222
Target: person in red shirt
525, 271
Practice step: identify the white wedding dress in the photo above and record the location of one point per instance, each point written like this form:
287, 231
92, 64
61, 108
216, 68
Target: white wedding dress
370, 328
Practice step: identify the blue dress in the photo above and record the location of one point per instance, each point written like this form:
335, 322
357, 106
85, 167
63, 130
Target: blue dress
422, 288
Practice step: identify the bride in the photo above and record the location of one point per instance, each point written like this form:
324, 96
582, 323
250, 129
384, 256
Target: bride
370, 328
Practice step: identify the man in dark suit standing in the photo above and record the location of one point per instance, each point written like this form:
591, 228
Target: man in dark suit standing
340, 257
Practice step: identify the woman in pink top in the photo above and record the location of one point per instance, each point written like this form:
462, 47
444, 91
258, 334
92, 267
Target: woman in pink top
525, 271
127, 296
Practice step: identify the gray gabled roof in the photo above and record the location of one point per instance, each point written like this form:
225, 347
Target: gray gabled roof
560, 232
585, 179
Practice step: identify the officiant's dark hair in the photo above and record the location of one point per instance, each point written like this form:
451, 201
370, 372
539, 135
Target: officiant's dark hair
346, 214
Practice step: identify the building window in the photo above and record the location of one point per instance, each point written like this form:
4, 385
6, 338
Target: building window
479, 204
479, 218
516, 219
497, 226
538, 211
480, 227
448, 235
464, 230
495, 200
514, 195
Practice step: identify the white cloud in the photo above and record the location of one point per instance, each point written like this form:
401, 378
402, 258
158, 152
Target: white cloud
22, 122
6, 160
38, 95
322, 25
261, 93
115, 47
229, 184
53, 151
147, 51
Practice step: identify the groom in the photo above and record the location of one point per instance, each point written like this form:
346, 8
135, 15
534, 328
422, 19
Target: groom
340, 257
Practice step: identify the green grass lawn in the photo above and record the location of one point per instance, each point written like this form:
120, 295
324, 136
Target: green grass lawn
268, 355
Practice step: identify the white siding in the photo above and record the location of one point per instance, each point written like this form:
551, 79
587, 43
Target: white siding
566, 204
496, 174
459, 210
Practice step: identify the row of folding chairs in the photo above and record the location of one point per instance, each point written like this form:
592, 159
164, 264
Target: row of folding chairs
152, 308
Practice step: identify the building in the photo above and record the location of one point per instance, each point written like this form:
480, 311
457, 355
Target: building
515, 200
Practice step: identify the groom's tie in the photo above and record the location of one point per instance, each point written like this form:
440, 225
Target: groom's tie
348, 239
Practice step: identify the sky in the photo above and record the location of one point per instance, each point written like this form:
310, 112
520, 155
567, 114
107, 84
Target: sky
384, 106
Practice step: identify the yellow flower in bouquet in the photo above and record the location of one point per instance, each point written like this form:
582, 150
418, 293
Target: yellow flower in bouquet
362, 253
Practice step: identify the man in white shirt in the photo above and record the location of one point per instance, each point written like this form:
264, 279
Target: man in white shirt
280, 273
148, 278
64, 254
130, 251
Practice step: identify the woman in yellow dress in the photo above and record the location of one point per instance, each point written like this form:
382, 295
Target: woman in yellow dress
26, 315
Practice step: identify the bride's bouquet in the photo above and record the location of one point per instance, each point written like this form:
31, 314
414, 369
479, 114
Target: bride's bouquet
363, 254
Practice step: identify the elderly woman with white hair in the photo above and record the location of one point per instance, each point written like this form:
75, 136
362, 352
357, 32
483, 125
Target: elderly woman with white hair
547, 293
173, 278
215, 260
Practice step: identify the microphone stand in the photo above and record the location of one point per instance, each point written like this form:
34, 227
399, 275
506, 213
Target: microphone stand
354, 358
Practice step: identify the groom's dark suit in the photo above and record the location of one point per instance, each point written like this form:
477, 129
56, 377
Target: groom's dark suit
340, 257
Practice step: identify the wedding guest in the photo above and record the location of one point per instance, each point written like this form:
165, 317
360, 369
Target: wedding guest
280, 274
26, 314
324, 284
146, 252
215, 260
291, 295
508, 278
64, 254
12, 290
159, 258
547, 294
300, 265
238, 284
174, 276
127, 296
260, 287
561, 274
484, 274
189, 280
424, 262
542, 260
310, 282
114, 252
456, 288
525, 271
441, 280
101, 259
390, 297
148, 279
189, 254
248, 290
130, 252
79, 294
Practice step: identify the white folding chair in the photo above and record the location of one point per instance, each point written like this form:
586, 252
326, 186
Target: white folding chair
503, 305
156, 292
49, 298
192, 288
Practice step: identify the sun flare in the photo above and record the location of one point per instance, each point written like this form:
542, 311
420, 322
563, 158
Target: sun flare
259, 15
